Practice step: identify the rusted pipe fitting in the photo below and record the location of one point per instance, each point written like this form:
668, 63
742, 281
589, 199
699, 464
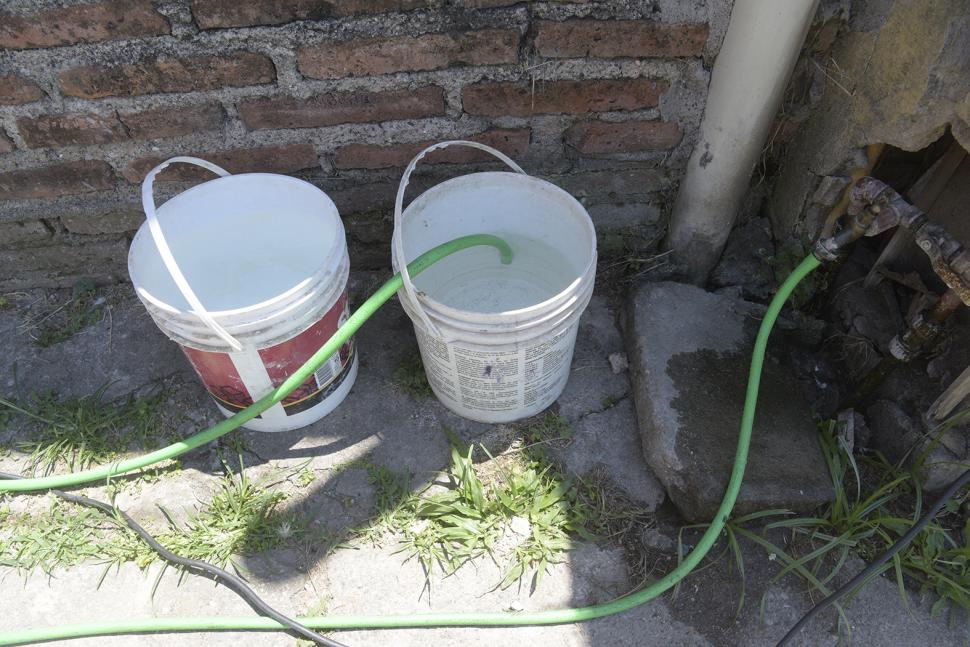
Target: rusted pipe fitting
950, 260
874, 207
925, 328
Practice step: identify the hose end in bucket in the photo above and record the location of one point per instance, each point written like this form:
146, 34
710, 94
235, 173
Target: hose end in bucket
505, 250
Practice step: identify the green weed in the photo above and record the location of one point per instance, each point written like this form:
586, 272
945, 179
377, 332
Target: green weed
547, 427
305, 477
241, 519
545, 431
80, 432
786, 259
522, 515
874, 504
409, 376
610, 401
82, 310
318, 608
63, 536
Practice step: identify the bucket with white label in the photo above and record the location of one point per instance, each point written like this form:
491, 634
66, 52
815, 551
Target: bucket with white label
248, 274
496, 340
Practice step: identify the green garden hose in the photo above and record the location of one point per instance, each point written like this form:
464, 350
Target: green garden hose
555, 616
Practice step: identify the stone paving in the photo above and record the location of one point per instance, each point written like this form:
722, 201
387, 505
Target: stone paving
384, 425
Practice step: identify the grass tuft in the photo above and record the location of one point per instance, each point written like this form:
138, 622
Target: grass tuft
80, 432
523, 518
518, 508
409, 376
63, 536
243, 518
874, 504
82, 310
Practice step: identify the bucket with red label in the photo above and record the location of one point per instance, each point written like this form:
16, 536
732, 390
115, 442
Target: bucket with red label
248, 274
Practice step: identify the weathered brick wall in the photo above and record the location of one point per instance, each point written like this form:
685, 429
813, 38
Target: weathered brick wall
602, 98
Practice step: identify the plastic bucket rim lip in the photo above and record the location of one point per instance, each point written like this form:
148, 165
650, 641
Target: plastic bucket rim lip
323, 269
522, 315
254, 309
434, 305
189, 331
538, 328
568, 301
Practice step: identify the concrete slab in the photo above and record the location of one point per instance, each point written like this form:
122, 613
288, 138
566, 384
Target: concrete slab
689, 354
125, 349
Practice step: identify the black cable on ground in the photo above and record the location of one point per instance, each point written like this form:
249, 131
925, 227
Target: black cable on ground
233, 582
865, 573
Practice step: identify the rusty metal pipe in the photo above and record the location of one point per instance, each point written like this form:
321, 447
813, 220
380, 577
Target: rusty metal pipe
923, 332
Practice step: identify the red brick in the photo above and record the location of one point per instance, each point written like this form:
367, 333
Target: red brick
409, 53
268, 159
68, 178
57, 131
213, 14
342, 108
561, 97
6, 145
16, 90
511, 142
168, 75
82, 23
159, 123
619, 39
625, 137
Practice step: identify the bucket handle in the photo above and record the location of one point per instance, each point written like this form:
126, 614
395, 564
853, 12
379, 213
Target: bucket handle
397, 237
148, 203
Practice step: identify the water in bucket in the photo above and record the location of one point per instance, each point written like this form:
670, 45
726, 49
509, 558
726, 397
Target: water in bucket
482, 283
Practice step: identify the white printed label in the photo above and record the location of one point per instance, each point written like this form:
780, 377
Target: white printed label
325, 374
485, 380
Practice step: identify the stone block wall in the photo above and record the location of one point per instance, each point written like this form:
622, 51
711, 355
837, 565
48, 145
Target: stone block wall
881, 72
602, 98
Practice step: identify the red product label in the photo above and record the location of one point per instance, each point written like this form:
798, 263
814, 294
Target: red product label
224, 383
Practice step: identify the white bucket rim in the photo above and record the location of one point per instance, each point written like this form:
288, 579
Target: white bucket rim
510, 334
192, 332
318, 276
529, 312
573, 293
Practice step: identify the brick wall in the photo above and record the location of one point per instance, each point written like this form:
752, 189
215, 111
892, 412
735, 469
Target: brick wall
602, 98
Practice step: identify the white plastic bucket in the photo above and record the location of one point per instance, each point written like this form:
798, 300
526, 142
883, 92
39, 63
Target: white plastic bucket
496, 342
267, 256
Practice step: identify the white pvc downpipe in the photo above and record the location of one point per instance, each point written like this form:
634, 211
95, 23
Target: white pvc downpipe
759, 52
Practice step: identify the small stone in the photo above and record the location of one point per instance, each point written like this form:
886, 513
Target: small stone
655, 539
520, 526
618, 362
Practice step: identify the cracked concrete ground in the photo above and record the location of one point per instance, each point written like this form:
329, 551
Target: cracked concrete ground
382, 424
